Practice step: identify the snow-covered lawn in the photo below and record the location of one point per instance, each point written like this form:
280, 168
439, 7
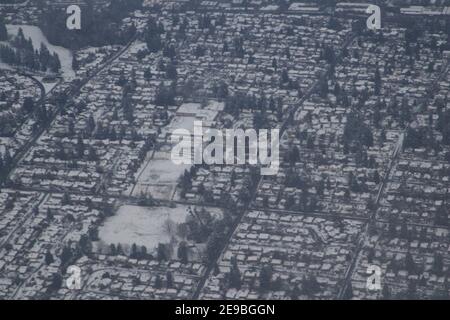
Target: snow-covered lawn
159, 177
5, 66
4, 141
142, 226
37, 37
48, 86
162, 171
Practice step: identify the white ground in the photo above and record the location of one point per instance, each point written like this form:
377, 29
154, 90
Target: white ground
182, 122
159, 177
5, 66
143, 226
162, 171
36, 35
48, 86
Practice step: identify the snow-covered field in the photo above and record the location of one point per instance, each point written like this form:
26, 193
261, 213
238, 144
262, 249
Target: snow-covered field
5, 66
159, 177
48, 86
142, 226
4, 141
37, 37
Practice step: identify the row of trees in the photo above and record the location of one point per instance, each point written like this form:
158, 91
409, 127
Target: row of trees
6, 162
100, 24
268, 281
22, 53
3, 31
234, 104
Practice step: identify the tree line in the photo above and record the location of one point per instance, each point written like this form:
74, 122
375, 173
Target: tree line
21, 52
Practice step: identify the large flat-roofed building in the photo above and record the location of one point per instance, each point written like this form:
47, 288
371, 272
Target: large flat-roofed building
352, 7
425, 11
299, 7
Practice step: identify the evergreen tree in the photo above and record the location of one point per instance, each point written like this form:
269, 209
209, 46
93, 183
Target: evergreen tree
265, 278
348, 294
48, 258
386, 292
158, 282
134, 253
28, 105
183, 252
3, 31
75, 64
169, 279
147, 74
162, 256
56, 63
235, 276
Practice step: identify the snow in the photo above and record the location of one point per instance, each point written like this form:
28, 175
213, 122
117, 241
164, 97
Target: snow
48, 86
159, 177
5, 66
142, 226
184, 122
163, 171
37, 37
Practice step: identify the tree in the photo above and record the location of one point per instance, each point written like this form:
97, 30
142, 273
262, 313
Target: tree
66, 255
134, 253
409, 263
376, 177
165, 95
183, 252
169, 279
234, 276
152, 36
56, 63
295, 292
161, 253
158, 282
112, 249
143, 252
411, 292
49, 258
274, 63
404, 233
85, 244
3, 30
171, 72
7, 159
386, 292
80, 147
92, 154
49, 214
147, 74
56, 282
215, 238
348, 293
75, 64
65, 199
377, 82
119, 249
28, 105
438, 264
441, 216
284, 76
310, 285
265, 278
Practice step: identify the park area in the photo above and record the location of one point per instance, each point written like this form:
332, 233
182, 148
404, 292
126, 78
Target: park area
142, 226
